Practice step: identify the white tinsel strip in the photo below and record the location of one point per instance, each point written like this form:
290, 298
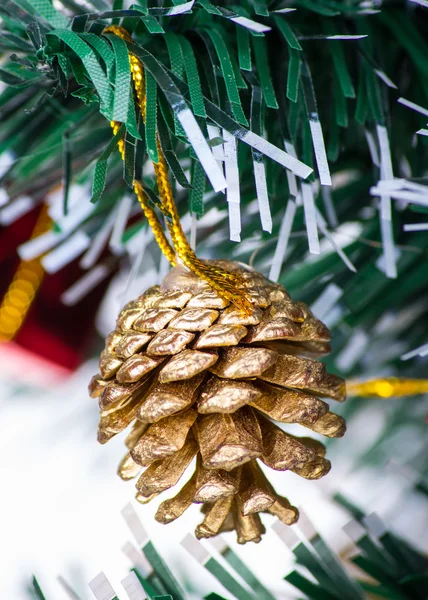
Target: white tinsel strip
262, 194
133, 587
134, 524
354, 530
384, 77
335, 316
353, 351
306, 527
326, 301
374, 153
385, 168
286, 160
45, 242
39, 245
251, 25
410, 196
282, 243
180, 8
218, 152
233, 195
66, 252
416, 227
283, 11
420, 351
101, 588
7, 160
4, 197
420, 2
137, 559
375, 525
286, 534
70, 593
310, 218
323, 228
55, 201
319, 149
83, 286
119, 225
218, 543
16, 209
291, 177
413, 106
329, 207
202, 149
195, 548
385, 204
99, 241
80, 212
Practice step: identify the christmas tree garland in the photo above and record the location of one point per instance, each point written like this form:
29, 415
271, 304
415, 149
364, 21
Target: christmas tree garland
217, 74
389, 567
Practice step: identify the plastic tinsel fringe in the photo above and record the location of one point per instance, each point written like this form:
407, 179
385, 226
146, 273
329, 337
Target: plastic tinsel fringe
389, 567
277, 103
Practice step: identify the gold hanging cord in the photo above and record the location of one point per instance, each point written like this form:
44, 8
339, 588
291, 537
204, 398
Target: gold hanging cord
228, 285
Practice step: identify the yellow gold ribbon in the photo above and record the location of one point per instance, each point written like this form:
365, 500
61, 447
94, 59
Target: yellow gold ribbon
21, 292
228, 285
389, 387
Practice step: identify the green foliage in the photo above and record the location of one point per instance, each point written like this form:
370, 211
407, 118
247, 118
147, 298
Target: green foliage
389, 568
326, 76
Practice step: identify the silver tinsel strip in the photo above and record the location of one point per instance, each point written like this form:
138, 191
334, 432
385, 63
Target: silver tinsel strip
310, 218
63, 254
83, 286
134, 524
353, 351
385, 204
119, 225
218, 151
326, 301
416, 227
45, 242
420, 351
282, 243
16, 209
413, 106
286, 160
195, 549
233, 189
319, 149
202, 149
262, 193
251, 25
101, 588
291, 178
329, 207
99, 241
133, 587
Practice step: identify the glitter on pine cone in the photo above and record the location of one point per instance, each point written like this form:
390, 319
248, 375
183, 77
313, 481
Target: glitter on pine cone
198, 378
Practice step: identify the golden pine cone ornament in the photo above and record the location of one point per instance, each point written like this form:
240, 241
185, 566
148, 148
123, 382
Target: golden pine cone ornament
198, 378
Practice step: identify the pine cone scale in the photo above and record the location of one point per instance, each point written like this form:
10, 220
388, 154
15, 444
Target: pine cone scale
165, 399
